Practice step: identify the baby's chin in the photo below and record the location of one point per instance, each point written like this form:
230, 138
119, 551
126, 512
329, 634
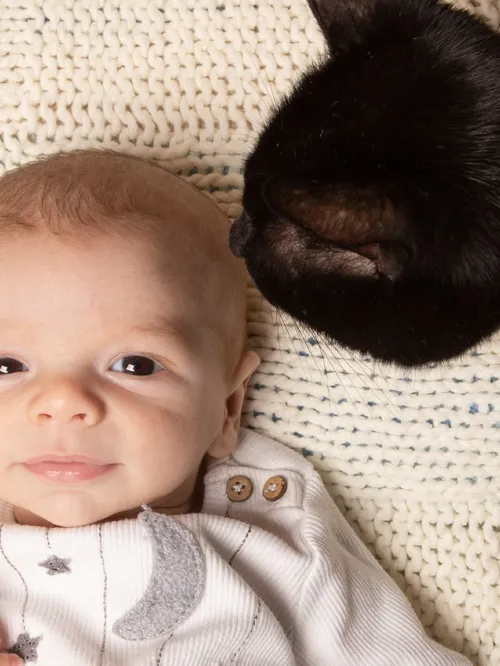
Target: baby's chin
72, 514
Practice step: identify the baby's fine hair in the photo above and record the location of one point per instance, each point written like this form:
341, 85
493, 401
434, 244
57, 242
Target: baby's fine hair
89, 188
86, 193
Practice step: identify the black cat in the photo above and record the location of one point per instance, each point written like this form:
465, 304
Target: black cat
372, 197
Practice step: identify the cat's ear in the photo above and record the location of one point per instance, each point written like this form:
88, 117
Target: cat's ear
338, 19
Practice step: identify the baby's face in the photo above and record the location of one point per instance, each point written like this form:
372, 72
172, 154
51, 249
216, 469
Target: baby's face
111, 385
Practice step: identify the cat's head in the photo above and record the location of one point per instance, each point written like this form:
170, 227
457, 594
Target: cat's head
372, 197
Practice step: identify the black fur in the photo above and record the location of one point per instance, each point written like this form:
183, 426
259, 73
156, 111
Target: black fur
372, 197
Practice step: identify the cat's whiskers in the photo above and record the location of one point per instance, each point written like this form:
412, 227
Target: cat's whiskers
385, 396
241, 136
358, 367
292, 340
279, 326
332, 361
327, 352
322, 372
268, 88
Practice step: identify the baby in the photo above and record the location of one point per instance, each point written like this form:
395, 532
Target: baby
139, 524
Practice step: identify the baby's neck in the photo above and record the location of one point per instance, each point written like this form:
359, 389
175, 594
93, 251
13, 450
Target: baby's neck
187, 507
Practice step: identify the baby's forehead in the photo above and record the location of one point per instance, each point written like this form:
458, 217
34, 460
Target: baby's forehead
93, 194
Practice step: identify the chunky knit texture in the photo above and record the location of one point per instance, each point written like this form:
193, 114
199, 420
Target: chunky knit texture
412, 459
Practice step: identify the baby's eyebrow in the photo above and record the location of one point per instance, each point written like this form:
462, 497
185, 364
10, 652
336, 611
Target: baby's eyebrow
178, 332
166, 329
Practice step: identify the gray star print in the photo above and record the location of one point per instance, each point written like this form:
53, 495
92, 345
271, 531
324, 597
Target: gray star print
56, 565
26, 647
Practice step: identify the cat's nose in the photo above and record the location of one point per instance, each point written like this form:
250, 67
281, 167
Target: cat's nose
239, 234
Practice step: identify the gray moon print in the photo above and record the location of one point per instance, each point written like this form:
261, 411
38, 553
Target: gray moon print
176, 585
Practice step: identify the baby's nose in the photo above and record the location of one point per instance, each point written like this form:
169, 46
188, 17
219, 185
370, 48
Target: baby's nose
66, 401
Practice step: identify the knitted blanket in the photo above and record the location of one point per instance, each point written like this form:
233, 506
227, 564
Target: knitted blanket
412, 458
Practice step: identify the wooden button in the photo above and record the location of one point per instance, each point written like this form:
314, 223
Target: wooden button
274, 488
239, 488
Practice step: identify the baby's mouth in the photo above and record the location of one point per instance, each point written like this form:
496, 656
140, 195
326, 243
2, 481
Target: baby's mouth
68, 469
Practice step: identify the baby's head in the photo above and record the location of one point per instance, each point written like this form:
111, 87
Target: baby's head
122, 338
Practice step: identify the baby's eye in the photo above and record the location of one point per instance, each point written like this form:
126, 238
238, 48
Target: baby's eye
139, 366
8, 366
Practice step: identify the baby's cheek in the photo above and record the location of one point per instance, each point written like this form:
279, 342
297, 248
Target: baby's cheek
14, 485
164, 440
167, 439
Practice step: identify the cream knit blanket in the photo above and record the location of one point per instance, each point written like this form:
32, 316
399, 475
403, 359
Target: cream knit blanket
413, 459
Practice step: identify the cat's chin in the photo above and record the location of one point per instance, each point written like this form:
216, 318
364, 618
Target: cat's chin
239, 235
409, 323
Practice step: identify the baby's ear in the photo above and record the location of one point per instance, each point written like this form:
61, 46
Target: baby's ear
228, 437
338, 19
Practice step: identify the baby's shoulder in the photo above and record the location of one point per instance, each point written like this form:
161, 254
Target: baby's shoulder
257, 450
261, 476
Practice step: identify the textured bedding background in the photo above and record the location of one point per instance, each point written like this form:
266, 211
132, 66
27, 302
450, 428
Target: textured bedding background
411, 458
